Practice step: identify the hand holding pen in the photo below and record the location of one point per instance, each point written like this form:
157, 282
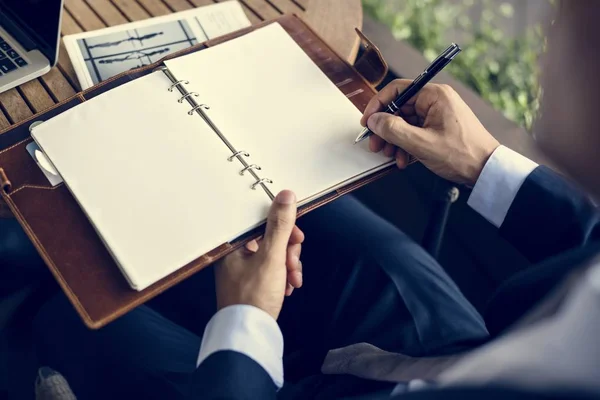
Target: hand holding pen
436, 66
435, 126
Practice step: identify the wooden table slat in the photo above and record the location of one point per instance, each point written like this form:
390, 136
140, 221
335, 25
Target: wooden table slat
83, 14
252, 16
254, 19
69, 26
200, 3
4, 123
36, 95
287, 7
178, 5
108, 12
66, 67
303, 3
58, 85
155, 8
15, 107
132, 10
262, 8
335, 22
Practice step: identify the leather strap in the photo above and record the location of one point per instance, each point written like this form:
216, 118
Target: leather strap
371, 64
5, 184
5, 187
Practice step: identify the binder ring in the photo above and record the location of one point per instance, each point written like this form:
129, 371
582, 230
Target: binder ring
237, 153
177, 84
185, 96
204, 106
249, 167
258, 182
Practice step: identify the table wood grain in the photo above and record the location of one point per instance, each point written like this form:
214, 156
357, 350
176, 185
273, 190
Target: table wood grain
334, 20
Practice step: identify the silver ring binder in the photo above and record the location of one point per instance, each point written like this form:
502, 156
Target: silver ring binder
199, 109
249, 167
238, 153
193, 110
185, 96
177, 84
261, 181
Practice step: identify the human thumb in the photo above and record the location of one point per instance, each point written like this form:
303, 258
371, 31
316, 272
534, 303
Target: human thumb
280, 222
394, 130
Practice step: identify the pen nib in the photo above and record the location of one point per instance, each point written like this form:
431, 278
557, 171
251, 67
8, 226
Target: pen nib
363, 135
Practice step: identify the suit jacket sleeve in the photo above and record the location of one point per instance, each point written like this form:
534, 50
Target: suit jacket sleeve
538, 211
231, 375
240, 356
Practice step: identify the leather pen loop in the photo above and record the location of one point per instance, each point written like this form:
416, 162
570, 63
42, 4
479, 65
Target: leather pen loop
4, 182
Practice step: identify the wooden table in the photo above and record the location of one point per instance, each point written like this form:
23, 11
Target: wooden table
334, 20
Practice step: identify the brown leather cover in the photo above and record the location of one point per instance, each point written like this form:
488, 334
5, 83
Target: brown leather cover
65, 238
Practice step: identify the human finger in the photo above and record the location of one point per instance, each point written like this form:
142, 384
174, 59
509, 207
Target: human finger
297, 235
389, 150
376, 143
396, 130
385, 96
402, 158
289, 289
294, 265
280, 224
252, 246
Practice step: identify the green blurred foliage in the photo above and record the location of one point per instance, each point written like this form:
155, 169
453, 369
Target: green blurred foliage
503, 70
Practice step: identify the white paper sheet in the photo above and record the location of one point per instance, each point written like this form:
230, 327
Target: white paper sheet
271, 100
154, 181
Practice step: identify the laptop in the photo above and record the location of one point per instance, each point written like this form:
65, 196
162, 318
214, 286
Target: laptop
29, 39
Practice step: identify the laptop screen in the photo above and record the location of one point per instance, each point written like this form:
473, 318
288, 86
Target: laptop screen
40, 19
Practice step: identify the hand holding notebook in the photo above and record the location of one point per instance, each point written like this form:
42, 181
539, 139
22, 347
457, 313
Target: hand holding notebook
262, 275
162, 186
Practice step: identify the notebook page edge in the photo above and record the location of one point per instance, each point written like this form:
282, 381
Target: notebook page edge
349, 181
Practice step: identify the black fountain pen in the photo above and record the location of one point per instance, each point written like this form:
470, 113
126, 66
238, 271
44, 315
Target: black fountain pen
436, 66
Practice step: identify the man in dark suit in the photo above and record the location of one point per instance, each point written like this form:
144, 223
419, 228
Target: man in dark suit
364, 281
547, 218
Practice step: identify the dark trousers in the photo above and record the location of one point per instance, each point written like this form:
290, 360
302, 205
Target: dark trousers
20, 264
364, 281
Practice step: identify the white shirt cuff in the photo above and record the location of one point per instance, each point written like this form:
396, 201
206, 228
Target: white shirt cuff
498, 185
247, 330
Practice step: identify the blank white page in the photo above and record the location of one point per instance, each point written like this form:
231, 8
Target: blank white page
154, 181
269, 98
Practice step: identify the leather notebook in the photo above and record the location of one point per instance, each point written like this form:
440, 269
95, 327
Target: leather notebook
169, 167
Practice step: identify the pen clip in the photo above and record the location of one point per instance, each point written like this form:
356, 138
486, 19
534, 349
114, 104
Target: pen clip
441, 56
422, 76
444, 58
438, 59
453, 51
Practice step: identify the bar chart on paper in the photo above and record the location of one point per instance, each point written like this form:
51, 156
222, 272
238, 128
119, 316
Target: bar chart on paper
113, 53
104, 53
